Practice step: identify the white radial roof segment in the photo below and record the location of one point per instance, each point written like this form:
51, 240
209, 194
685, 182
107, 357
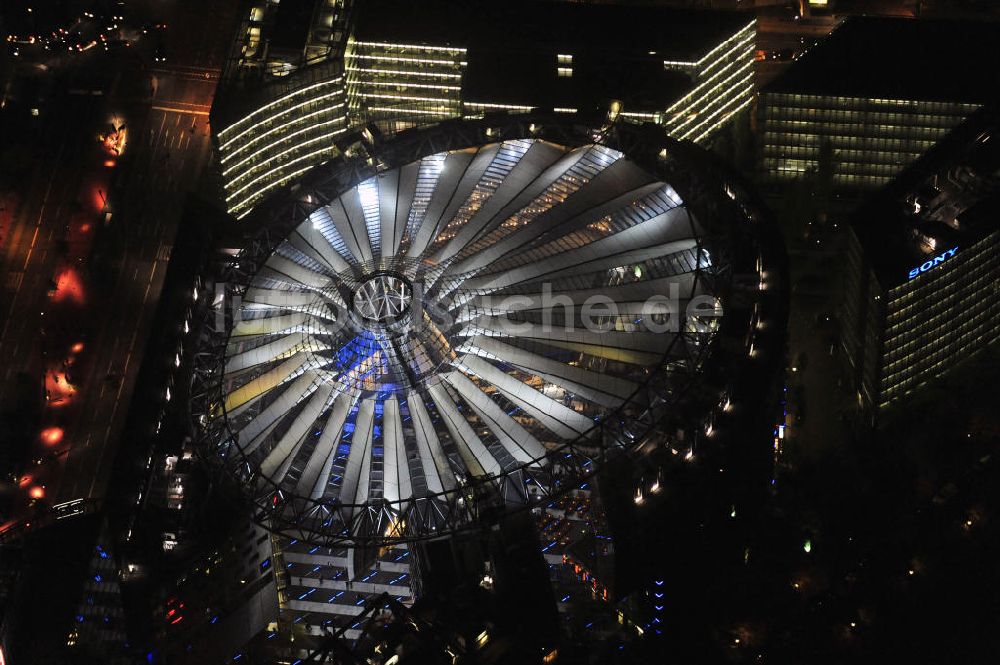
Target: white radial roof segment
456, 320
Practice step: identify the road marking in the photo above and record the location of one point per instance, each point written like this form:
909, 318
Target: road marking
38, 223
34, 238
14, 279
177, 102
124, 375
172, 109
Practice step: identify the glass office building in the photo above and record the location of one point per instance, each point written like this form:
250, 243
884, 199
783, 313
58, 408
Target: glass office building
871, 139
282, 138
396, 65
869, 95
404, 83
923, 267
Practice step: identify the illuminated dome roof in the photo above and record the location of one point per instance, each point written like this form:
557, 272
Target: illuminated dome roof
468, 329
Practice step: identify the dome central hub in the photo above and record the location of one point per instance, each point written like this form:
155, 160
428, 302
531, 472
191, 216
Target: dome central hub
383, 298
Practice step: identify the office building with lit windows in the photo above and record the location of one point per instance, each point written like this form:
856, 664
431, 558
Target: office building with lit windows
920, 293
299, 75
877, 93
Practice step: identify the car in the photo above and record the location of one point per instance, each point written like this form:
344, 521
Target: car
785, 54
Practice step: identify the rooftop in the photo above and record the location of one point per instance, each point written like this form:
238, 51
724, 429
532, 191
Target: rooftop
900, 58
617, 52
291, 24
564, 27
530, 78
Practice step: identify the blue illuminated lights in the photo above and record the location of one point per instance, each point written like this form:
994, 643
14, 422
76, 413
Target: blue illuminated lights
931, 263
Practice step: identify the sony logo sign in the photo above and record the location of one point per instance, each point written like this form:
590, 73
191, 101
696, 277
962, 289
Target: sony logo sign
927, 265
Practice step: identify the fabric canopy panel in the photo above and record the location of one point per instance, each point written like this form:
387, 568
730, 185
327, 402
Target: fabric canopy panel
443, 329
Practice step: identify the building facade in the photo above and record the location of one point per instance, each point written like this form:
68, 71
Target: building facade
283, 138
322, 590
871, 140
400, 65
874, 96
923, 267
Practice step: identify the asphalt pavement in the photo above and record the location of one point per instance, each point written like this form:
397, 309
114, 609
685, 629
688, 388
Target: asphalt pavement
76, 315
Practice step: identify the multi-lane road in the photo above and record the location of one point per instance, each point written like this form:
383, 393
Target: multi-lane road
170, 148
85, 255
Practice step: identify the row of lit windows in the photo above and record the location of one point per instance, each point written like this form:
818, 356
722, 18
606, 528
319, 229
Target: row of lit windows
395, 60
264, 143
405, 81
834, 132
773, 139
395, 84
847, 181
282, 147
282, 119
849, 149
914, 363
276, 107
824, 117
898, 157
895, 386
862, 103
725, 106
296, 130
723, 87
297, 153
943, 312
731, 84
936, 330
969, 274
942, 319
841, 168
423, 81
722, 53
776, 111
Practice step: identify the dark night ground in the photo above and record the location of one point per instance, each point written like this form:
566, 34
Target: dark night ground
920, 496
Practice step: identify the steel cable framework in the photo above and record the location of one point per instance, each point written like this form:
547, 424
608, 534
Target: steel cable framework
465, 320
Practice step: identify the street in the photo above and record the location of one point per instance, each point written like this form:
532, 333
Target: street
85, 254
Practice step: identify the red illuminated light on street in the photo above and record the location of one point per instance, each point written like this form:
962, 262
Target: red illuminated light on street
52, 435
68, 287
57, 387
36, 492
76, 348
98, 199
